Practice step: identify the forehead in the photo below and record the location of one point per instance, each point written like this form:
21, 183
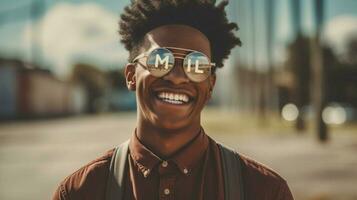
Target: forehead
181, 36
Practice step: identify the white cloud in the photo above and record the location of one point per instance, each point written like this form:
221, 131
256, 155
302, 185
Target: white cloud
70, 31
339, 31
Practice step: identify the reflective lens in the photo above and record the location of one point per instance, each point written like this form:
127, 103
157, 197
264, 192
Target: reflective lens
197, 66
160, 61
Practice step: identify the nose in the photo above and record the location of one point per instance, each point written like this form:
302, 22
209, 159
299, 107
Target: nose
177, 75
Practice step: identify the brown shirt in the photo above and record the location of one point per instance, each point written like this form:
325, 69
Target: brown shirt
194, 172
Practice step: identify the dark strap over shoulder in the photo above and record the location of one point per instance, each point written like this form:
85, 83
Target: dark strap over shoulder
232, 173
118, 164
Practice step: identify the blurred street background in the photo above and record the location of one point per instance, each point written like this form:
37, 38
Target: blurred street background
287, 97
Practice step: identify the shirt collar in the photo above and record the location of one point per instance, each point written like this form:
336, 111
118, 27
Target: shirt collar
145, 159
186, 158
190, 154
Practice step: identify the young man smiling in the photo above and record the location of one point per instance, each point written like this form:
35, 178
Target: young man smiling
175, 47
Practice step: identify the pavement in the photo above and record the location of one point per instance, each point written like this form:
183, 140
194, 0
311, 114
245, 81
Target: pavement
36, 155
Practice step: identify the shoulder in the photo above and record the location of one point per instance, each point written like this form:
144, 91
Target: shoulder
88, 180
258, 170
254, 170
260, 179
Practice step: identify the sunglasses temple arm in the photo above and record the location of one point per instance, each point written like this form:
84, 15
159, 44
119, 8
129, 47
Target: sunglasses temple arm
138, 57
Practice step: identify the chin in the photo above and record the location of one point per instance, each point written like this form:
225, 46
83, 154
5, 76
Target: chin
171, 124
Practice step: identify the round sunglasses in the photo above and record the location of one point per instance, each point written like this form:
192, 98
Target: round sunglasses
160, 61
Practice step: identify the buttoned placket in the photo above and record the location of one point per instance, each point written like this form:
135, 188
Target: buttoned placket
168, 173
167, 181
165, 172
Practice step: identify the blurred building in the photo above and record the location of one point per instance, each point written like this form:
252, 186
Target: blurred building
28, 91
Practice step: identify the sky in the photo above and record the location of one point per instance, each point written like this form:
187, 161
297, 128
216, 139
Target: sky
78, 30
340, 22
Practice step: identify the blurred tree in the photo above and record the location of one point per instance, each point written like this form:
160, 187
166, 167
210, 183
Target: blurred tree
271, 90
341, 79
299, 64
254, 84
117, 79
95, 82
351, 55
265, 88
319, 73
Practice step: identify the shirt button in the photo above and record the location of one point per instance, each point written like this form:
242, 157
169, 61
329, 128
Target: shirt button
185, 171
164, 164
146, 173
166, 191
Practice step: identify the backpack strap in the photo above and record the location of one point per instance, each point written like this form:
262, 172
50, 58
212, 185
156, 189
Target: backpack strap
118, 165
232, 173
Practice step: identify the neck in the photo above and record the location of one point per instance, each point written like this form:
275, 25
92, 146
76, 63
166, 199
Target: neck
165, 142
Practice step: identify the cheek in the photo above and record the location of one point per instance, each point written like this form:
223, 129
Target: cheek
143, 85
205, 88
204, 96
143, 78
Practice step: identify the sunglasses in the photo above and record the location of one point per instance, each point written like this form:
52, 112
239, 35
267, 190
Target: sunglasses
160, 61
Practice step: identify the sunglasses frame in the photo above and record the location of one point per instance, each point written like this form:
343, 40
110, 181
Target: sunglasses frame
175, 56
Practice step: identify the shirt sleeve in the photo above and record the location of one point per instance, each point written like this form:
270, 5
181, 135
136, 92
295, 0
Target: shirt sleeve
60, 194
284, 192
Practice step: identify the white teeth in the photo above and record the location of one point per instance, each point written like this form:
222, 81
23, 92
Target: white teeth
173, 101
174, 98
185, 98
161, 95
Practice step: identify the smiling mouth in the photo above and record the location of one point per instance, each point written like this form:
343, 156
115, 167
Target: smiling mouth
173, 98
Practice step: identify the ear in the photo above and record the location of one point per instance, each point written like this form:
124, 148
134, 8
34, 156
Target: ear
212, 81
130, 77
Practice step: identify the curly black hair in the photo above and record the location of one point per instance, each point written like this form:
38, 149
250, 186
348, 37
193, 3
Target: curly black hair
142, 16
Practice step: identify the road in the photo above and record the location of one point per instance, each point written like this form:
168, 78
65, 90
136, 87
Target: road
36, 155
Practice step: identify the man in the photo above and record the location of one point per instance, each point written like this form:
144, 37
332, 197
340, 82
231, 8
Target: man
175, 47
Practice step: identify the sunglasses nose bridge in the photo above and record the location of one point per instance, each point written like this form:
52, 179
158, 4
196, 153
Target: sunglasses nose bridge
177, 75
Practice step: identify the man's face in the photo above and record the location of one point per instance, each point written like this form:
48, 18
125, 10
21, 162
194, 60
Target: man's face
150, 90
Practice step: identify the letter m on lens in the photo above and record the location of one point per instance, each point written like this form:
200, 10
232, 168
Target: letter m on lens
159, 61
